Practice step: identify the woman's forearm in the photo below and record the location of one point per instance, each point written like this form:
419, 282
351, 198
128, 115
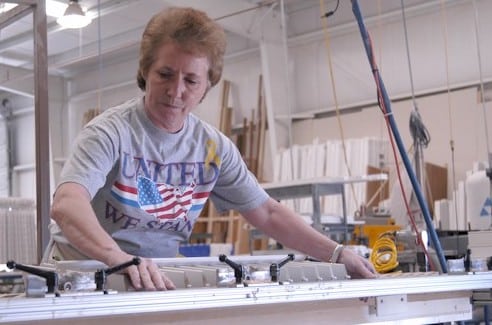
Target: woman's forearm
73, 213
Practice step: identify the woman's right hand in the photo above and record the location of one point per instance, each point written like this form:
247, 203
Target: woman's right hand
145, 276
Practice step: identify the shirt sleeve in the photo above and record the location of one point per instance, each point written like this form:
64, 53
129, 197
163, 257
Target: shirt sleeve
236, 188
93, 155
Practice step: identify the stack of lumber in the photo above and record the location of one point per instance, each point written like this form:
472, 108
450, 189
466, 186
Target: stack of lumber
249, 137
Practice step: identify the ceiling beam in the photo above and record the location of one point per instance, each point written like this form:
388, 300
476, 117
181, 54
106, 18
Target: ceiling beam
105, 9
14, 15
20, 81
239, 17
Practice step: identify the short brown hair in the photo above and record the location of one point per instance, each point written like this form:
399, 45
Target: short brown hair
192, 30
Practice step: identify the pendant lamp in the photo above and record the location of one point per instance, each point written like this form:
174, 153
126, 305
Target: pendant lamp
74, 16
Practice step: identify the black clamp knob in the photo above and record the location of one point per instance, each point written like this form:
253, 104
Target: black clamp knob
101, 275
50, 276
275, 267
238, 268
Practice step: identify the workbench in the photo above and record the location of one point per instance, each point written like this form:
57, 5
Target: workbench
307, 292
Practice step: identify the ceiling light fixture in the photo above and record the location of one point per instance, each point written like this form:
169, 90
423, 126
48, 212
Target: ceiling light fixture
74, 16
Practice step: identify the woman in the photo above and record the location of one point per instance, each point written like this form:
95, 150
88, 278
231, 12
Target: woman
140, 173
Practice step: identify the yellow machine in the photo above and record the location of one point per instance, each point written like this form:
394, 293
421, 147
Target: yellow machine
369, 233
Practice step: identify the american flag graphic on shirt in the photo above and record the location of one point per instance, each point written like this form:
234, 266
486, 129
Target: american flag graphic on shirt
163, 201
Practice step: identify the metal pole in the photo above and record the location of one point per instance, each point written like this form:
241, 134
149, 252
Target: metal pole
41, 121
397, 137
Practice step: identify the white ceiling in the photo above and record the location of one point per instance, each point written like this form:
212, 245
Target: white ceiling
114, 36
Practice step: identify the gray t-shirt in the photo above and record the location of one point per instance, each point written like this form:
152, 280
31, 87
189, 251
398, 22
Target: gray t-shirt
148, 186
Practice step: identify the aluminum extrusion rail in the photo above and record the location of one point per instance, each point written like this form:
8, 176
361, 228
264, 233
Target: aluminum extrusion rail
90, 305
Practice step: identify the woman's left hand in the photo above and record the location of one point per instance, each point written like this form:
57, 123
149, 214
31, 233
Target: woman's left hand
357, 266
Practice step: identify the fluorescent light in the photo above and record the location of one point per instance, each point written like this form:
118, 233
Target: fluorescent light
55, 8
74, 16
6, 6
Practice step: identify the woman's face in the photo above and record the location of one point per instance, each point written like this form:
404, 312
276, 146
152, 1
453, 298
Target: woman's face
175, 84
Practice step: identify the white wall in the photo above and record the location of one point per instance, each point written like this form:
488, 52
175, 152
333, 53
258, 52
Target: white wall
23, 139
24, 170
464, 124
434, 55
4, 158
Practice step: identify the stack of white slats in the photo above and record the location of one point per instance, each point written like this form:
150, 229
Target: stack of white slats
326, 159
18, 230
